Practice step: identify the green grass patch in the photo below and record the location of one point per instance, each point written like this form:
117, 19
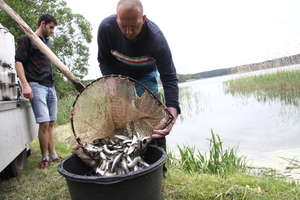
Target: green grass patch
218, 161
35, 183
283, 85
195, 186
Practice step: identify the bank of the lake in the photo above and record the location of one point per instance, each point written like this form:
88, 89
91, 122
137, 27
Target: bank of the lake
179, 185
283, 86
266, 132
266, 146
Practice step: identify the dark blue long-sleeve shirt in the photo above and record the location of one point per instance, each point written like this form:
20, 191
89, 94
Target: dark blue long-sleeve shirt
140, 58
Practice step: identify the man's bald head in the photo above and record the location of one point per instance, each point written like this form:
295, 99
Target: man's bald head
129, 5
130, 18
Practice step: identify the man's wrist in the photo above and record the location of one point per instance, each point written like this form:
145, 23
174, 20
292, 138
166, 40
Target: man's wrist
25, 84
173, 111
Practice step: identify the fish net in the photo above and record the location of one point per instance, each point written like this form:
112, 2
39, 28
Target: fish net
110, 105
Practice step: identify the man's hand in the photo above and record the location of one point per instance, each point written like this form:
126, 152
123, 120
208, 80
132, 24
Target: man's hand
159, 133
27, 91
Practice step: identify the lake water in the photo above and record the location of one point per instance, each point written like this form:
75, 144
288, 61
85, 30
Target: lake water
262, 131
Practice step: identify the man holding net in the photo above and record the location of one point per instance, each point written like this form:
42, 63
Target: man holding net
132, 45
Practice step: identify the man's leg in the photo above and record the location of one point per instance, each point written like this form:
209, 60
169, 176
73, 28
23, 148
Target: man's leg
44, 141
51, 144
43, 137
52, 107
40, 109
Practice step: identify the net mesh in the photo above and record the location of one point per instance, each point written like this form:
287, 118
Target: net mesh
110, 105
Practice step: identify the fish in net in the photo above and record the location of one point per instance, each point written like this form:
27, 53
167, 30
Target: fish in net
108, 109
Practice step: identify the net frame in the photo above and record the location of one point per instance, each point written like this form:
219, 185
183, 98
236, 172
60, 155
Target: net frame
170, 117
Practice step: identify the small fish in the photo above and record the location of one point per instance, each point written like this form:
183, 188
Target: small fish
105, 148
116, 160
124, 165
134, 162
130, 150
119, 154
122, 137
92, 148
103, 156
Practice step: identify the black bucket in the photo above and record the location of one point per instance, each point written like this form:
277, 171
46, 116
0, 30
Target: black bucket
144, 184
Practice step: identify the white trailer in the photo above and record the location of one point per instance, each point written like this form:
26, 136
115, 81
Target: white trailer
17, 124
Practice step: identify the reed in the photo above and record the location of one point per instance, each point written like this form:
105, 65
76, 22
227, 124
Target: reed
283, 86
218, 161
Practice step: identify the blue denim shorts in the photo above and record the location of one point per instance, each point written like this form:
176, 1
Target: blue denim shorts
44, 102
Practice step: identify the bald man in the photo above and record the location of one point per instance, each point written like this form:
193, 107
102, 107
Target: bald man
132, 45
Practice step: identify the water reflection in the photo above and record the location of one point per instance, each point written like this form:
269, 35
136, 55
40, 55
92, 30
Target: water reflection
290, 97
190, 102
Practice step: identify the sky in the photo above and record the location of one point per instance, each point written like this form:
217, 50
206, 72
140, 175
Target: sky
210, 34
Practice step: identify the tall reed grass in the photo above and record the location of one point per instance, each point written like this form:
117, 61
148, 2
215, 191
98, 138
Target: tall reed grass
218, 161
283, 85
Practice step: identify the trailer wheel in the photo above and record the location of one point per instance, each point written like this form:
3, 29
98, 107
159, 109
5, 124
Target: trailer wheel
15, 168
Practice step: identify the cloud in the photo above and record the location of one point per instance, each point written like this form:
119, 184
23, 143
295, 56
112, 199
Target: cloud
206, 35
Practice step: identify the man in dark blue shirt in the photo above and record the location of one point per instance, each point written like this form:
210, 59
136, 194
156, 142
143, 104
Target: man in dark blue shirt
132, 45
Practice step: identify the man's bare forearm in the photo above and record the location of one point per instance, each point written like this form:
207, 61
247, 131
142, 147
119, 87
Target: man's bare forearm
27, 91
21, 74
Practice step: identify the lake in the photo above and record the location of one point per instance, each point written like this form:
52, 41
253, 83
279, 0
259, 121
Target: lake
262, 131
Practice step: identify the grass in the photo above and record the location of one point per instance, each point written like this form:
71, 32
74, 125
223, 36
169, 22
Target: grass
238, 186
283, 85
37, 184
64, 108
219, 161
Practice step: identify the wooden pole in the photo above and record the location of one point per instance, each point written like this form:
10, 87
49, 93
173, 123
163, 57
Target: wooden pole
43, 48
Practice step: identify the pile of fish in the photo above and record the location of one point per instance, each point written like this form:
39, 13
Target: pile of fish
118, 155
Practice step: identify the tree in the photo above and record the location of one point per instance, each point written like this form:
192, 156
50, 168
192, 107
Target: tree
70, 40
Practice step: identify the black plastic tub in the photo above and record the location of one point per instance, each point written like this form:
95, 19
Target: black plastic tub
140, 185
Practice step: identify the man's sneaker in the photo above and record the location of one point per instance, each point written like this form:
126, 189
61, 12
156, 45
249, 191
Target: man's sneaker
44, 164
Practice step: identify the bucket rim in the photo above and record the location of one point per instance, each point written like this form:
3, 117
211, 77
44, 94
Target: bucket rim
112, 179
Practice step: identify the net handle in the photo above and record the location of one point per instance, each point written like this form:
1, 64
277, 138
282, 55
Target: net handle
170, 116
